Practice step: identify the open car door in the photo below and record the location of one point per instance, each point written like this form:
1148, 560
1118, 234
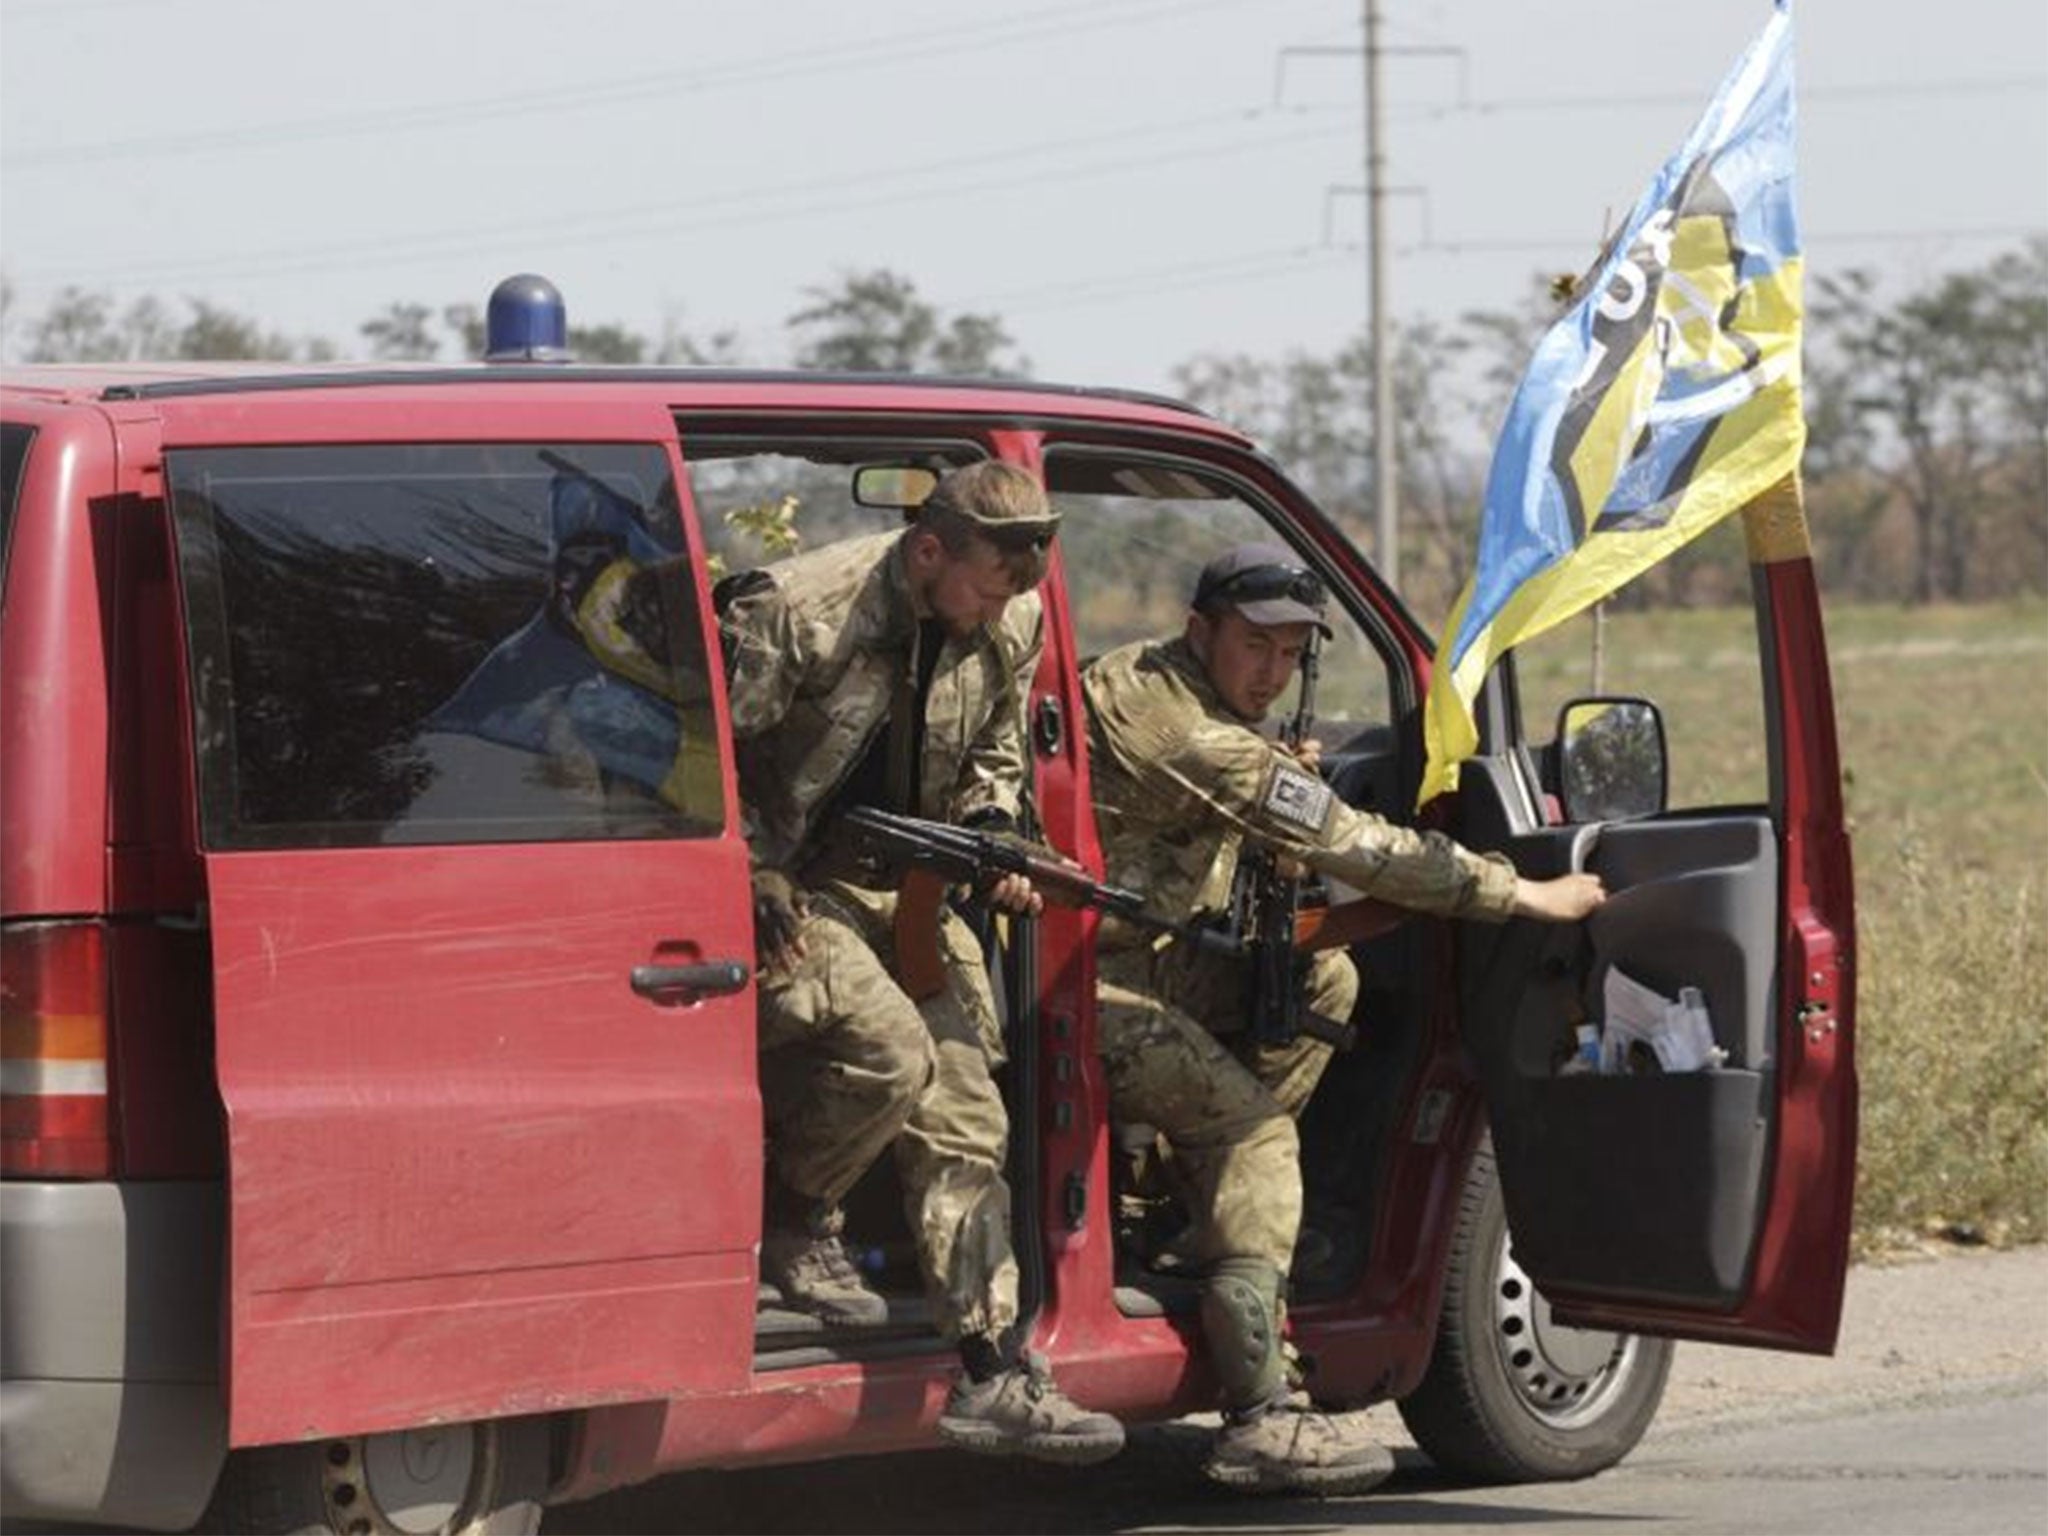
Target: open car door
1711, 1204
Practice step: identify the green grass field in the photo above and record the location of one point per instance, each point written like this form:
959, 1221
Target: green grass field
1943, 717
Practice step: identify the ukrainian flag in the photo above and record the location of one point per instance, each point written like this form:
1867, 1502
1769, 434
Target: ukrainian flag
1665, 399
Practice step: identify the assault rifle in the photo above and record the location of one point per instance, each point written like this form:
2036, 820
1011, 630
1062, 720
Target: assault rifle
1267, 910
931, 855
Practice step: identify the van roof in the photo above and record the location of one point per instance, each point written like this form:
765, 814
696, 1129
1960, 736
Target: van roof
167, 380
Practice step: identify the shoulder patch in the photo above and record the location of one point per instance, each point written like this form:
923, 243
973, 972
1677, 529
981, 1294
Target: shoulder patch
1298, 797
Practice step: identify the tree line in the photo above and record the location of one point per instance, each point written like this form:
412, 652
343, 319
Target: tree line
1926, 470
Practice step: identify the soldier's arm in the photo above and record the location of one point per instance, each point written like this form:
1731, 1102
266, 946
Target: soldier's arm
993, 772
764, 654
1426, 871
1276, 802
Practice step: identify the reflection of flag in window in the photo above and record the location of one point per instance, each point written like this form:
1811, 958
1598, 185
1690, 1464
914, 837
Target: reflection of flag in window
1665, 399
591, 671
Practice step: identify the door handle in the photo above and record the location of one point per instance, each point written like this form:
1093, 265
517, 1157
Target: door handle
679, 984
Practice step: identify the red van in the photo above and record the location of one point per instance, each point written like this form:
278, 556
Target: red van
368, 1167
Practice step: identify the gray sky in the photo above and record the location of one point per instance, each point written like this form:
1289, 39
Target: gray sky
1119, 179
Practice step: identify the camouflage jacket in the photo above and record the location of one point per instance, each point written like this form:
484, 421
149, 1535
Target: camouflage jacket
1181, 782
814, 647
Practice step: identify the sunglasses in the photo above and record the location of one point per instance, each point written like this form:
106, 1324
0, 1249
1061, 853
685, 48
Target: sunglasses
1036, 537
1262, 583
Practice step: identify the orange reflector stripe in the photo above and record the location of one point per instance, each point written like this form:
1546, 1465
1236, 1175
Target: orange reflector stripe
53, 1036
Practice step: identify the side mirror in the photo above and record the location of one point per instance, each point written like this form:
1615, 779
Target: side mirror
903, 486
1611, 761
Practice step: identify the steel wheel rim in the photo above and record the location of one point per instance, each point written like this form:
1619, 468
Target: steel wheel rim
408, 1482
1564, 1377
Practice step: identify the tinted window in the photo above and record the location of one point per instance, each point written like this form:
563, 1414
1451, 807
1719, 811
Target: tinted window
443, 644
14, 441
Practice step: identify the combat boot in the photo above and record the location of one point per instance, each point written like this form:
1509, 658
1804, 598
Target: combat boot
1287, 1447
807, 1262
1020, 1412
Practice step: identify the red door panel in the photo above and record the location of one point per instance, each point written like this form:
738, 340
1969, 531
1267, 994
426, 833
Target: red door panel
463, 770
473, 1172
1709, 1205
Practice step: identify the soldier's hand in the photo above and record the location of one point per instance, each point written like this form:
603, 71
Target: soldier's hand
1309, 754
1015, 893
779, 912
1566, 899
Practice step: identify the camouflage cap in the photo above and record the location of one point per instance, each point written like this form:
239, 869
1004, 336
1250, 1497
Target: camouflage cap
1265, 583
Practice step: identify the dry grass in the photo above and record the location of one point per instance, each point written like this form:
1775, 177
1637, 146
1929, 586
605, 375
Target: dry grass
1943, 716
1953, 1060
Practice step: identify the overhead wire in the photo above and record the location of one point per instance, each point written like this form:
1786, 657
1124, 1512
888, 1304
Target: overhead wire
650, 221
1118, 287
834, 58
660, 219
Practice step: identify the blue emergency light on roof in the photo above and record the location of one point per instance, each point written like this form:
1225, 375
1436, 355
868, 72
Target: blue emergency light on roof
527, 322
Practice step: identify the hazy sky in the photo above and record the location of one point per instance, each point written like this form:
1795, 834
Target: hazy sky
1127, 182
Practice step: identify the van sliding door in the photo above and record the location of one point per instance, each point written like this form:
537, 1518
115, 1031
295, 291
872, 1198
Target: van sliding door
480, 930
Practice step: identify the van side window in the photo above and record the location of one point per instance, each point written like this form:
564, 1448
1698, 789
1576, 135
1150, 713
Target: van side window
759, 498
14, 441
443, 644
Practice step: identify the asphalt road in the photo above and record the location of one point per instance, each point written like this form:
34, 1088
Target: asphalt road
1976, 1463
1932, 1415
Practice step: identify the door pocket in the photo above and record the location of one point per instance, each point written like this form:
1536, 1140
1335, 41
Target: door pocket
1645, 1187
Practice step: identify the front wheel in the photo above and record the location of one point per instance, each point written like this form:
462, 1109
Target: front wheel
452, 1480
1510, 1395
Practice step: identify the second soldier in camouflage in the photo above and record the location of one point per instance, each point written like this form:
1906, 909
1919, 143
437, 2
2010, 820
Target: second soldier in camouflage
1183, 783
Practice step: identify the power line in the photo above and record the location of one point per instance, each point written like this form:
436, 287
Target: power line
896, 48
711, 212
619, 225
1876, 90
1301, 260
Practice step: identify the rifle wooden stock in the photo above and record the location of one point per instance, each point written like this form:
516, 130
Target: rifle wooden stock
920, 968
1345, 924
934, 856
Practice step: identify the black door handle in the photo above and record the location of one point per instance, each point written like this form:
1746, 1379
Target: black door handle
678, 984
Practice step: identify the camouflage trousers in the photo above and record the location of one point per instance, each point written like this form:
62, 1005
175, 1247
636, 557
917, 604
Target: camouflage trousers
1174, 1048
851, 1067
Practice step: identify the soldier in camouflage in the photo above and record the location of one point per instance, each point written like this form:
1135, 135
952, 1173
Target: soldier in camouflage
892, 671
1183, 782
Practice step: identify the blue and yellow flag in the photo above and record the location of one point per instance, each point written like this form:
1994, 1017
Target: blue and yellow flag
1665, 399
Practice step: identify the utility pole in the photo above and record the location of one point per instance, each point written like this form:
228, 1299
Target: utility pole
1385, 468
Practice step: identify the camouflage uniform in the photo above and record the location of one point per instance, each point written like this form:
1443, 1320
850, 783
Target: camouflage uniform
1180, 783
817, 648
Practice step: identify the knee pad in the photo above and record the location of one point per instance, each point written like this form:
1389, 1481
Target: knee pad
1241, 1321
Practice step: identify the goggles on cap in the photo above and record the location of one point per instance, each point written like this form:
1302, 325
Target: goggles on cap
1263, 583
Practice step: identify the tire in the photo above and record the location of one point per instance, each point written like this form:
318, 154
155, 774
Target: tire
1511, 1396
460, 1480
